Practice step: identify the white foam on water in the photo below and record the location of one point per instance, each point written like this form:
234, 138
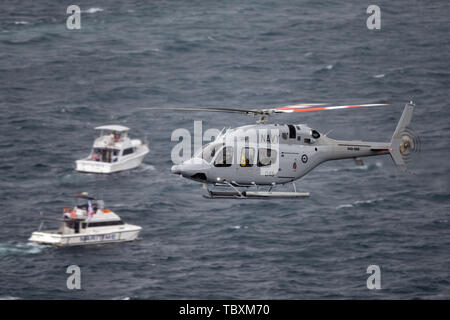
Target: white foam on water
21, 248
342, 206
379, 75
357, 203
329, 67
93, 10
21, 22
363, 167
368, 201
147, 167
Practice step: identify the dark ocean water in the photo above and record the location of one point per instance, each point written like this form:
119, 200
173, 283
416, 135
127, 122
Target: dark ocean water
56, 85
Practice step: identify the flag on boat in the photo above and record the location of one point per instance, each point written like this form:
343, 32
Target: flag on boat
90, 211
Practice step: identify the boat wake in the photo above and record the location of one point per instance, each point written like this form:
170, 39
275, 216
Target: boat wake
21, 248
146, 167
9, 298
359, 203
365, 167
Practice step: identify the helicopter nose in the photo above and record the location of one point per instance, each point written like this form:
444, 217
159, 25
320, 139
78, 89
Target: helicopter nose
193, 169
176, 169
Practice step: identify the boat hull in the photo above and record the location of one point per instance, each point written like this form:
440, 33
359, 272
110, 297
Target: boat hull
91, 166
127, 233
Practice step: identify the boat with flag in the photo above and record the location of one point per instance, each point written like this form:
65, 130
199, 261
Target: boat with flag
87, 223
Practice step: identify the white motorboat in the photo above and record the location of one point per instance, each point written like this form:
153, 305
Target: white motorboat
113, 151
87, 223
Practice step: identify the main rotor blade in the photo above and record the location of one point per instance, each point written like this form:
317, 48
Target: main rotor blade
206, 109
269, 111
291, 109
303, 106
233, 110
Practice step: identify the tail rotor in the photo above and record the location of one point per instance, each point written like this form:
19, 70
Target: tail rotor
410, 142
404, 140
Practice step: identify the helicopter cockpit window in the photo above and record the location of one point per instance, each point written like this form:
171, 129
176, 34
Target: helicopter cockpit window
224, 157
207, 152
315, 134
266, 157
247, 157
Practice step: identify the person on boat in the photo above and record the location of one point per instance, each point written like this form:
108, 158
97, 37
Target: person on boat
116, 136
90, 211
66, 213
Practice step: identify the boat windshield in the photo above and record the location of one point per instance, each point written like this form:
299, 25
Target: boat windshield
84, 204
208, 151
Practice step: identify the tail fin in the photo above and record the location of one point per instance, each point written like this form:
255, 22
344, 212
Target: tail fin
403, 140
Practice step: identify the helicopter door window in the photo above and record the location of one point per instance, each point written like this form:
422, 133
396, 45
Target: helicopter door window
247, 157
292, 133
224, 157
266, 157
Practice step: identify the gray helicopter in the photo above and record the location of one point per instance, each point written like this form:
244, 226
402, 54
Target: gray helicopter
254, 157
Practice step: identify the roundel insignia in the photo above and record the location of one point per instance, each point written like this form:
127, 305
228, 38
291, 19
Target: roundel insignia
304, 158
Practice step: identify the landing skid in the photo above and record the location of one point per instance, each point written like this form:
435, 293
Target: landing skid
236, 194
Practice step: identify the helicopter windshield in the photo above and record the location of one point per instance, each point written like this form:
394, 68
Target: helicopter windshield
208, 151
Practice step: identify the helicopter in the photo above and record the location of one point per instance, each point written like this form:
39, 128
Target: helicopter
249, 158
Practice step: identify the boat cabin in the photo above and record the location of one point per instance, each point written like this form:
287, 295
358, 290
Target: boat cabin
112, 143
87, 223
79, 219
